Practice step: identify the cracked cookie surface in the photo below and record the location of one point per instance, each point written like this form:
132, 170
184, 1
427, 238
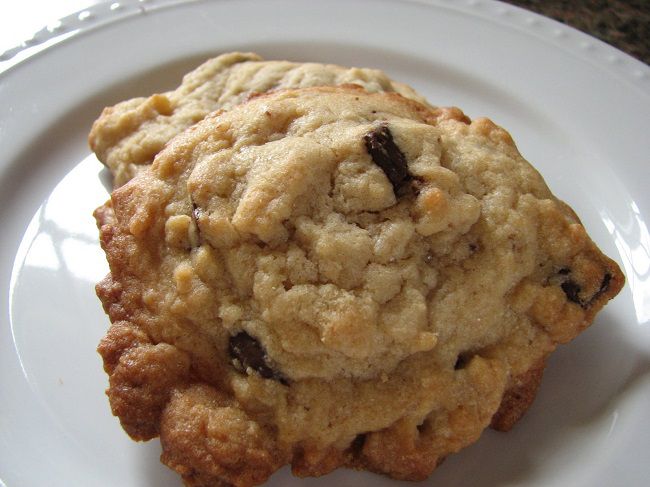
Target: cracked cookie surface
329, 277
127, 136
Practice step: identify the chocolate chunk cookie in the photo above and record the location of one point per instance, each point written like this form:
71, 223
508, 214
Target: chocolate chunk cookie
328, 277
128, 135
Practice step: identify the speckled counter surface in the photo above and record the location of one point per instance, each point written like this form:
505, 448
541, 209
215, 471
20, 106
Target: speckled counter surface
625, 24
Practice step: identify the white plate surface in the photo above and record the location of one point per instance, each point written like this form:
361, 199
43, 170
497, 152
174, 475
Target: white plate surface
578, 109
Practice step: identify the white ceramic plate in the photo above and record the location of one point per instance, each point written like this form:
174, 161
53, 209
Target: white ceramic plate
578, 109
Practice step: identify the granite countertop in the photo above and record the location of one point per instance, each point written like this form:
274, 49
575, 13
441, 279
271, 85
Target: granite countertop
624, 24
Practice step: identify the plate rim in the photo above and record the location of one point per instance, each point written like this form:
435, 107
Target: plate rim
567, 37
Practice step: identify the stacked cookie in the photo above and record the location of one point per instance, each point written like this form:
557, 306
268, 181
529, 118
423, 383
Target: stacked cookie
310, 265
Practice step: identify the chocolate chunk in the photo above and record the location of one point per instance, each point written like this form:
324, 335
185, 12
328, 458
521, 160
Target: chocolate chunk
462, 360
385, 153
604, 286
250, 354
572, 291
357, 444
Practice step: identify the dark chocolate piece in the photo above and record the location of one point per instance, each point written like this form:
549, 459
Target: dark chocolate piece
250, 354
604, 286
385, 153
357, 444
462, 360
572, 291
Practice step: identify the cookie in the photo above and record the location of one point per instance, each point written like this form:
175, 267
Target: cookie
327, 277
127, 136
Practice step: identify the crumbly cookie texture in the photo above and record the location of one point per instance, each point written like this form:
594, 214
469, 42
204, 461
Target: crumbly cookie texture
128, 135
328, 277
